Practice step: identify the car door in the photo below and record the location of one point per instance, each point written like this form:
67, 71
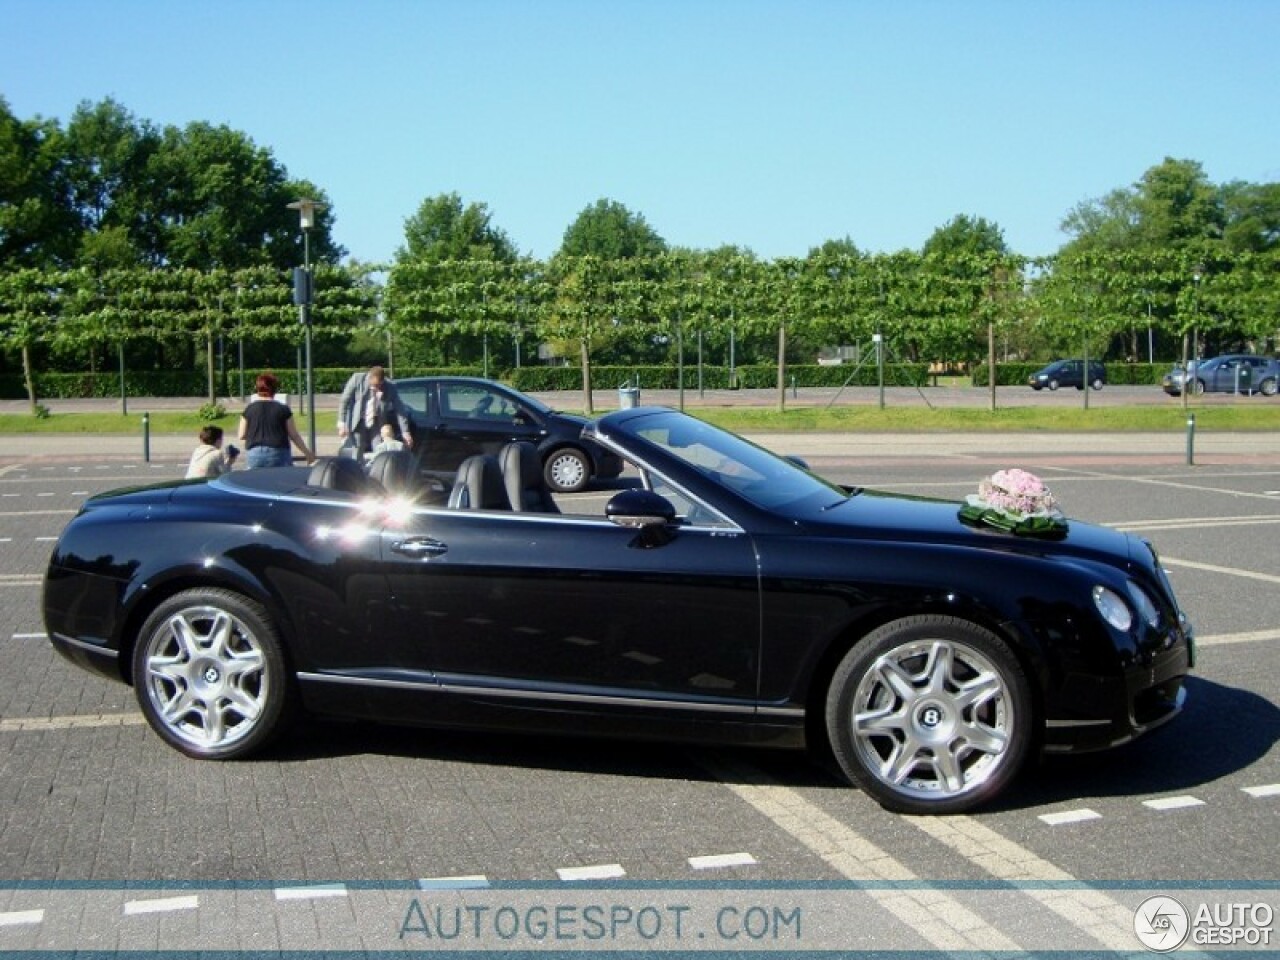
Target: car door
566, 613
476, 418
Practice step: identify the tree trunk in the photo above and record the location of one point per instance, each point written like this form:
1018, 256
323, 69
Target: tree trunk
29, 378
782, 367
210, 370
587, 405
991, 361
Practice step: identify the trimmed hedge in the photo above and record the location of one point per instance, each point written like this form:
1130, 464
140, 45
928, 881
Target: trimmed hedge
540, 379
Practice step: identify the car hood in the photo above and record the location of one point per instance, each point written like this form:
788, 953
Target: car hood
880, 516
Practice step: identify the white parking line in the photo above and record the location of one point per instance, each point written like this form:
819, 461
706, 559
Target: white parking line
1251, 636
605, 871
717, 860
1214, 568
89, 720
476, 881
20, 918
1173, 803
314, 892
937, 917
133, 908
1070, 816
1270, 790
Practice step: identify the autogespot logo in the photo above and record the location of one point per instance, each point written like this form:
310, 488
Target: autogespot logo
1161, 924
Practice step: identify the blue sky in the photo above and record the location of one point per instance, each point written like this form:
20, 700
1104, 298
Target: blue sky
770, 125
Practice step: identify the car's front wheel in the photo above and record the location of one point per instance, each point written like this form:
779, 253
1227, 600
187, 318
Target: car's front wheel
210, 675
1052, 384
1197, 387
930, 714
567, 470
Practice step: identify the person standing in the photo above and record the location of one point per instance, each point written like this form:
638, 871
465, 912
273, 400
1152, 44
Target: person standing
368, 401
267, 427
209, 459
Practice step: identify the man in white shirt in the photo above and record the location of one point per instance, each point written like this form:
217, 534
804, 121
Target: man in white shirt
368, 401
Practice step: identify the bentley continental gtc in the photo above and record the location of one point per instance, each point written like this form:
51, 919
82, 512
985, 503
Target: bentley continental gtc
718, 594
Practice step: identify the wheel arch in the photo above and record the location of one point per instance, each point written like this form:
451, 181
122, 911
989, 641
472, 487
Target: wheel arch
151, 594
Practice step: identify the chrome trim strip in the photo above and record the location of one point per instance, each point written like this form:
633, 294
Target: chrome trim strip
99, 649
797, 712
1068, 724
437, 686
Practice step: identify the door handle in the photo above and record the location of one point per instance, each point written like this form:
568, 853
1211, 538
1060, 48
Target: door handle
419, 547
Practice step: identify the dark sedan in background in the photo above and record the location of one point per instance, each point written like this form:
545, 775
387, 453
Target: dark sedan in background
1230, 373
728, 596
1069, 373
456, 417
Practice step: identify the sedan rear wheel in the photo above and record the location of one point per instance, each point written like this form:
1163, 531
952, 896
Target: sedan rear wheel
567, 470
930, 714
1097, 383
210, 676
1268, 387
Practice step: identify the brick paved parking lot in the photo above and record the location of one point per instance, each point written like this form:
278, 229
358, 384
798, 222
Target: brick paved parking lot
88, 794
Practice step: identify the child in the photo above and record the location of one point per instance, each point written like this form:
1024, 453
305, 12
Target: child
388, 441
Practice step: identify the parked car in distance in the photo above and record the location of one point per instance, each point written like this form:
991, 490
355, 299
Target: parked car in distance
728, 596
456, 417
1068, 373
1229, 373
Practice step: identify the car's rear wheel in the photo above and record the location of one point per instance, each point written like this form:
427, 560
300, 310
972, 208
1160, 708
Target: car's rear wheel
210, 675
567, 470
1268, 387
930, 714
1097, 383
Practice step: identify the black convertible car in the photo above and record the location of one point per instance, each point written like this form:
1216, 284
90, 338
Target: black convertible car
728, 595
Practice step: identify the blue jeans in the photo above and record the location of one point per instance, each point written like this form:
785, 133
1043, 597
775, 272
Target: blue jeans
268, 457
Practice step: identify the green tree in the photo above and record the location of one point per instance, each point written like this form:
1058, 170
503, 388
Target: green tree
964, 235
610, 231
37, 222
444, 229
1251, 212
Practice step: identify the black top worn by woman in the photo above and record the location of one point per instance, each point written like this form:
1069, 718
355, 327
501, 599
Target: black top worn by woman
268, 424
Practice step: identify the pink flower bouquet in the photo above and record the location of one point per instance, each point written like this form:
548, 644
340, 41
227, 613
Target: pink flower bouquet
1015, 501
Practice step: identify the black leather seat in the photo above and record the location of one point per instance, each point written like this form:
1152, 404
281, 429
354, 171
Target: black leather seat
522, 476
396, 471
339, 473
478, 485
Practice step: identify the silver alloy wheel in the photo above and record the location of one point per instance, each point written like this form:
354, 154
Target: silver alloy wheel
206, 677
932, 719
1268, 387
567, 471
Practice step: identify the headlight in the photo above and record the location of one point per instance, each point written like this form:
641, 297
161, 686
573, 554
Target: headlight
1146, 609
1113, 608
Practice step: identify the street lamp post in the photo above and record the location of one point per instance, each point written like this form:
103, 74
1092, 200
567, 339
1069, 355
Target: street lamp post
303, 294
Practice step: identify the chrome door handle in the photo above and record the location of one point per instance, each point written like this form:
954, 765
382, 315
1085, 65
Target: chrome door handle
420, 547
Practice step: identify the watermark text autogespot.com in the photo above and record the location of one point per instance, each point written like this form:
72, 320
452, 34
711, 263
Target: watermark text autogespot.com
665, 923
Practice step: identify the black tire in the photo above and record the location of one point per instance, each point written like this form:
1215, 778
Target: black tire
930, 714
1052, 384
567, 470
210, 675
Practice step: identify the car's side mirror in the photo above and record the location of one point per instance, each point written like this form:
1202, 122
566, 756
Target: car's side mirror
640, 509
798, 461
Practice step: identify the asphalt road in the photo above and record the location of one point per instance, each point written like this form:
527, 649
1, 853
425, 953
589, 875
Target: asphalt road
330, 834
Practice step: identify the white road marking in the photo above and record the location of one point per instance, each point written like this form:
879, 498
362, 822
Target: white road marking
472, 882
1173, 803
314, 892
1109, 922
1070, 816
19, 918
84, 721
1214, 568
1193, 523
717, 860
604, 871
1251, 636
1270, 790
133, 908
938, 918
31, 636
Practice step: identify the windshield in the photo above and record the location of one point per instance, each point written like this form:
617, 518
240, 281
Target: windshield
763, 478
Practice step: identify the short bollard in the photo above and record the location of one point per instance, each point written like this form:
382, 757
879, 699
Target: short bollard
1191, 439
146, 437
